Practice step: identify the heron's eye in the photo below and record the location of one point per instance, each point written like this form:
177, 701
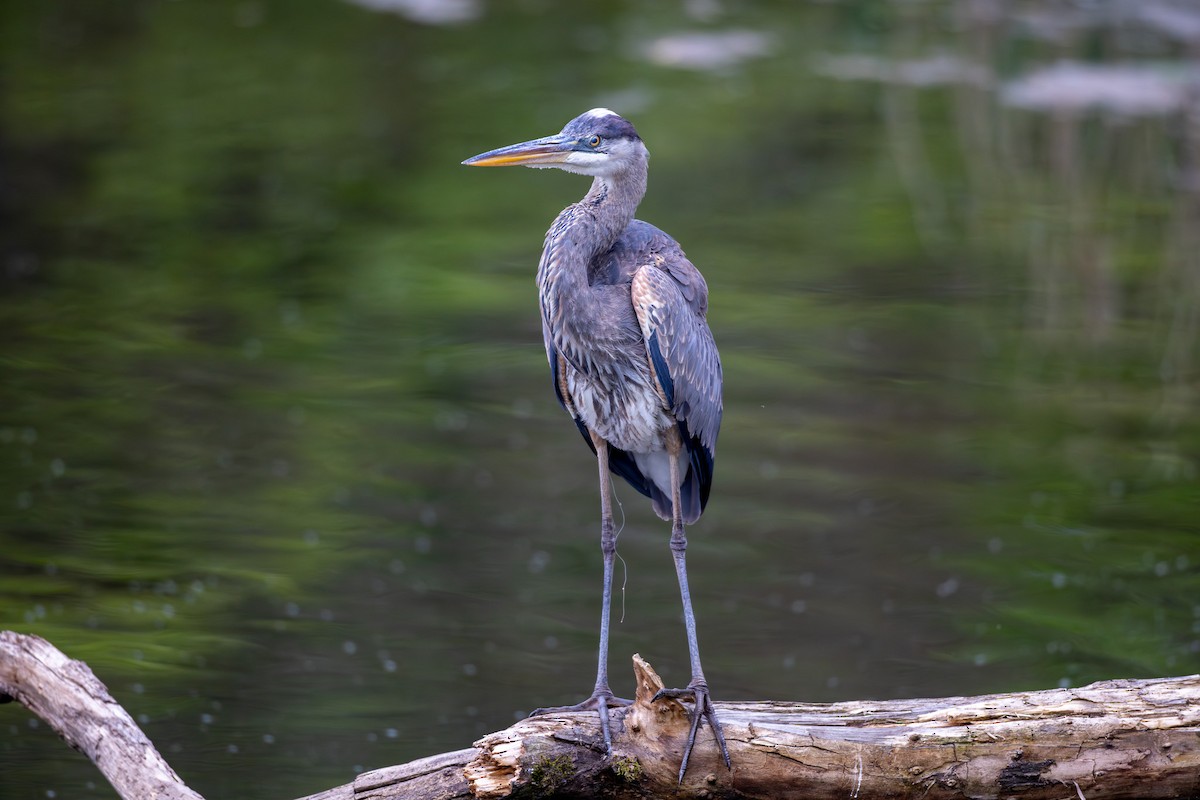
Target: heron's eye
593, 140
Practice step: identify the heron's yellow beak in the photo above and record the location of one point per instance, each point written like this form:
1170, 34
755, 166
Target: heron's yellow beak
546, 151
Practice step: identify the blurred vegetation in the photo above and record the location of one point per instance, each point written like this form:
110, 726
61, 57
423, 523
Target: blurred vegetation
279, 458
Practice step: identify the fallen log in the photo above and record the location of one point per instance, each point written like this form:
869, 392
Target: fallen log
1109, 740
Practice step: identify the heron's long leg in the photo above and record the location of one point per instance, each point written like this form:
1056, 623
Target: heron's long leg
608, 547
697, 688
602, 697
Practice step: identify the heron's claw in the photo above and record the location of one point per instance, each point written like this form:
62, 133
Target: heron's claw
702, 708
600, 702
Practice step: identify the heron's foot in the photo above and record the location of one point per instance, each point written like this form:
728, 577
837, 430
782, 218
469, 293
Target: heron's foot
702, 708
600, 701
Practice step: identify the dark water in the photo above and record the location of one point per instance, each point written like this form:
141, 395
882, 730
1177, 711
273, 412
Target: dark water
279, 455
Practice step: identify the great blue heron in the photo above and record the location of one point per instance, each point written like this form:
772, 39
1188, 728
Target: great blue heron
632, 358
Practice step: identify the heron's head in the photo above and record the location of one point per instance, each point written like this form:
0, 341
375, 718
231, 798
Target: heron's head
599, 143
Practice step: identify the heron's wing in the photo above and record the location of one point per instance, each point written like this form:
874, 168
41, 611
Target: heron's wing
680, 348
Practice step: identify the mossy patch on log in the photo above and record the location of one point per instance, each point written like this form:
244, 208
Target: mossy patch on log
549, 774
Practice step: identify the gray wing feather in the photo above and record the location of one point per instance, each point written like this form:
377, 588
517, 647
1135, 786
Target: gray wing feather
670, 299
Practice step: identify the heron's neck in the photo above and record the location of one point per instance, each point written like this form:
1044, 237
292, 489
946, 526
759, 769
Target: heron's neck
587, 229
582, 232
608, 207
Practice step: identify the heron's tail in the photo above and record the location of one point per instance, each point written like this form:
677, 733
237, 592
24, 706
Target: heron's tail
690, 497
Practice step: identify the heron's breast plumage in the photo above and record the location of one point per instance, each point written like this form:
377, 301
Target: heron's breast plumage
607, 377
622, 406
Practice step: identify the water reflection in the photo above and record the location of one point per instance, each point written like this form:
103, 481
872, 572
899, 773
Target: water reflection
429, 12
708, 51
278, 456
1125, 91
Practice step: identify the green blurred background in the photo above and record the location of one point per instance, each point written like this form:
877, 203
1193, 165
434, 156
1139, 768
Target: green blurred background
279, 456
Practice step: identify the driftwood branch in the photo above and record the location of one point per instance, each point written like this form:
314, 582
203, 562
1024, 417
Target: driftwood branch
73, 701
1113, 739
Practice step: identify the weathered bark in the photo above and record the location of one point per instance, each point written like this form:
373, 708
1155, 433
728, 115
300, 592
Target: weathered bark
73, 701
1113, 739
